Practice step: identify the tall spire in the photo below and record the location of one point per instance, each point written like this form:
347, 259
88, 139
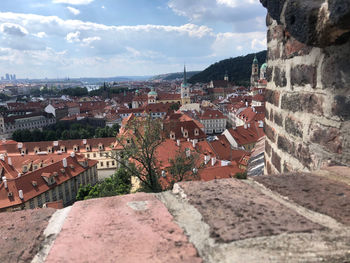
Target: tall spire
185, 77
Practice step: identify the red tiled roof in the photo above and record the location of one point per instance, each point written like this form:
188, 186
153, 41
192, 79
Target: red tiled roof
212, 114
247, 135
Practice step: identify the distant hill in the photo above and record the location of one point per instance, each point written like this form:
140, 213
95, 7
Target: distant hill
238, 69
174, 76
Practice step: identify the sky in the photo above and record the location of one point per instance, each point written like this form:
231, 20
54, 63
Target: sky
107, 38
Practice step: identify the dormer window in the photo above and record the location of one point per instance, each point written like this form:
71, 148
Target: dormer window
88, 148
23, 151
49, 178
196, 132
36, 149
185, 133
63, 148
100, 146
75, 148
49, 149
172, 135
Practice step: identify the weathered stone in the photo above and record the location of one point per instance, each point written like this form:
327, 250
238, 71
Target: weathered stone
335, 70
276, 161
302, 75
267, 114
280, 77
272, 97
293, 127
270, 133
269, 73
310, 103
274, 53
268, 166
303, 155
294, 48
278, 119
310, 22
327, 137
271, 115
341, 107
287, 167
285, 145
268, 148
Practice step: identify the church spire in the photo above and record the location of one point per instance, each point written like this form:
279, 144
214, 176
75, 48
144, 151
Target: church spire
185, 76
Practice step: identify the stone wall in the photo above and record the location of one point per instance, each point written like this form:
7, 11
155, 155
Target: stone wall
308, 91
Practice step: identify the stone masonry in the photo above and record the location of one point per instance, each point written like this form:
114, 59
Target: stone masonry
308, 91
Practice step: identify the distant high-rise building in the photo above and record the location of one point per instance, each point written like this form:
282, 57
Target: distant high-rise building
7, 76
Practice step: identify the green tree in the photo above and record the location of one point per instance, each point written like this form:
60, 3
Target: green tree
137, 152
26, 136
175, 107
65, 135
184, 166
118, 184
37, 135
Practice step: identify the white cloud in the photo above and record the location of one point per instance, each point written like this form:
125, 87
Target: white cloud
73, 10
103, 7
87, 41
40, 34
73, 37
73, 2
13, 29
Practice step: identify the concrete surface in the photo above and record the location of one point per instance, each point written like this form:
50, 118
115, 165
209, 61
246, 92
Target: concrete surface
21, 234
132, 228
218, 221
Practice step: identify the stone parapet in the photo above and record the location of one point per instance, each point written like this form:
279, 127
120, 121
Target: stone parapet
308, 91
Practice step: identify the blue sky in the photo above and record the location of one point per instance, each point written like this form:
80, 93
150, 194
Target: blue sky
104, 38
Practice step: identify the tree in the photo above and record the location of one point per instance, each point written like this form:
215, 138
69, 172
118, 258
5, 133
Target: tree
175, 106
137, 149
183, 166
118, 184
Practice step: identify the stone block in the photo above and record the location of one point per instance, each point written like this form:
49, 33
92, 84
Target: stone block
267, 114
303, 155
273, 97
328, 137
278, 119
269, 71
276, 161
341, 107
267, 148
280, 77
285, 145
294, 48
270, 133
294, 127
302, 75
307, 102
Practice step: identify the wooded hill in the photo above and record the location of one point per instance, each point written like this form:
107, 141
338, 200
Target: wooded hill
239, 69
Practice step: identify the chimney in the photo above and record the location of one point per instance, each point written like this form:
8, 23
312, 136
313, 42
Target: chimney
245, 126
213, 161
19, 145
20, 193
5, 181
188, 152
246, 103
2, 157
72, 154
64, 161
194, 143
19, 175
163, 174
84, 141
178, 142
248, 125
206, 159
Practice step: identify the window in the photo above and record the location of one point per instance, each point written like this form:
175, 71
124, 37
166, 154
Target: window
47, 197
95, 154
40, 201
101, 163
88, 155
54, 196
66, 190
112, 163
60, 192
31, 203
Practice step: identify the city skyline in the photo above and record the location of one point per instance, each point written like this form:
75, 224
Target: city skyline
104, 38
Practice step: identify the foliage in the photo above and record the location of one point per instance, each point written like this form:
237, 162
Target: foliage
76, 92
138, 149
175, 106
183, 167
118, 184
4, 97
241, 176
238, 69
65, 131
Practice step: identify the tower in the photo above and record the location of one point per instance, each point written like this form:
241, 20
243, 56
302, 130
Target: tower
255, 72
152, 96
226, 76
185, 90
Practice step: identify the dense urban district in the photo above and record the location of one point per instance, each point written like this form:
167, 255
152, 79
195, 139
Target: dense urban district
65, 141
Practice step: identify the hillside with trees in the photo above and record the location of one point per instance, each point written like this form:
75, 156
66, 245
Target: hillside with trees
238, 69
174, 76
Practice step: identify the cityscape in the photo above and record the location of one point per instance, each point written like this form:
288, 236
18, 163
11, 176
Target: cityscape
179, 131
